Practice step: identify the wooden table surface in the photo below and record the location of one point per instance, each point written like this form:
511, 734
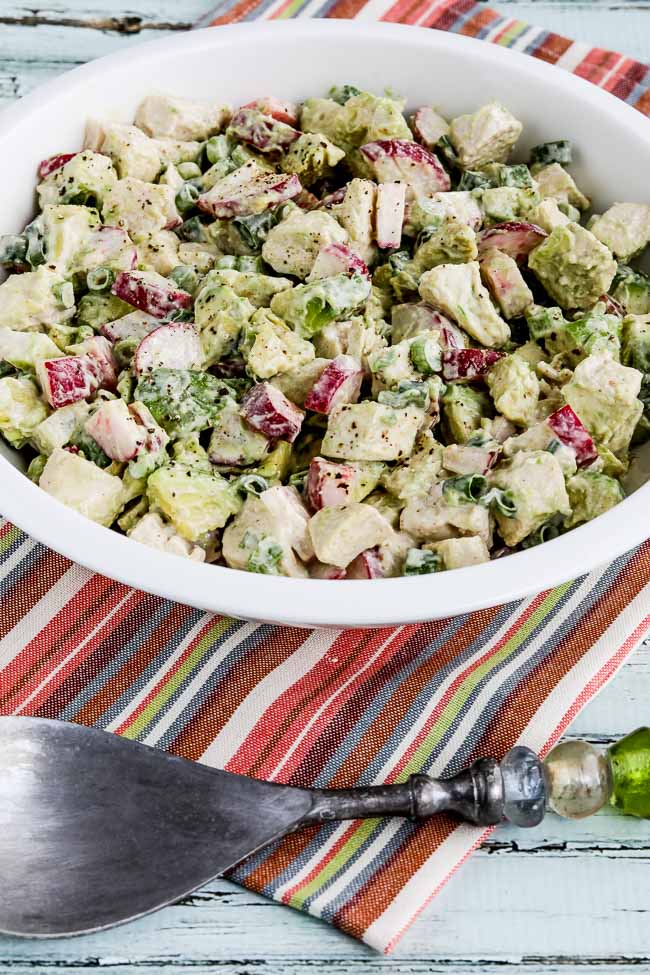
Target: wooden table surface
561, 898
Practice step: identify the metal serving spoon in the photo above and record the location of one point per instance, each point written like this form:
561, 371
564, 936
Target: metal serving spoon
96, 829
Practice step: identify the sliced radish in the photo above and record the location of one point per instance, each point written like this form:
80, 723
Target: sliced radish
339, 383
336, 259
116, 431
428, 126
282, 111
389, 214
398, 160
319, 570
515, 238
329, 484
100, 351
50, 165
612, 306
334, 198
249, 190
68, 379
261, 131
367, 565
173, 346
468, 364
569, 429
135, 325
267, 409
150, 292
156, 436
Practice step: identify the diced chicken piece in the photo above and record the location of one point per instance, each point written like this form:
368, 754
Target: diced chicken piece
389, 217
163, 117
133, 153
624, 229
247, 191
464, 459
371, 431
233, 442
151, 530
336, 259
456, 553
468, 365
505, 283
83, 486
159, 253
173, 346
268, 533
548, 215
515, 238
356, 214
110, 247
431, 519
339, 534
429, 127
603, 393
554, 181
397, 160
293, 245
339, 383
486, 136
268, 410
150, 292
264, 132
457, 290
140, 208
536, 484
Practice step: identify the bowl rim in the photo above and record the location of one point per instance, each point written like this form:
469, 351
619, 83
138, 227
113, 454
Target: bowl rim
308, 602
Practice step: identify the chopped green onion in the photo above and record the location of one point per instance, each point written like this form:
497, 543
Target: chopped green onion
192, 230
469, 487
251, 484
100, 279
185, 277
503, 501
35, 243
472, 180
189, 170
549, 530
218, 147
13, 249
298, 480
186, 197
552, 152
425, 355
64, 294
419, 562
343, 94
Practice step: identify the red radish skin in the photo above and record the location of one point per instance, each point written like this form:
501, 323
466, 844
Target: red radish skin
116, 431
468, 364
247, 191
421, 314
306, 200
339, 383
100, 351
389, 214
267, 409
137, 288
156, 436
337, 259
261, 131
515, 238
282, 111
68, 379
569, 429
173, 346
367, 565
334, 198
394, 160
328, 484
50, 165
612, 306
322, 571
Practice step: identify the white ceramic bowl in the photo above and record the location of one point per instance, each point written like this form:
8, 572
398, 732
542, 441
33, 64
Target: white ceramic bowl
295, 59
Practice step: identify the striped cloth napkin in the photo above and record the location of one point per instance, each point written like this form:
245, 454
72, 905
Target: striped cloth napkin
329, 708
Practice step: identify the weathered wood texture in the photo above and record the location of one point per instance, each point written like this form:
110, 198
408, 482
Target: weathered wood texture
560, 899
